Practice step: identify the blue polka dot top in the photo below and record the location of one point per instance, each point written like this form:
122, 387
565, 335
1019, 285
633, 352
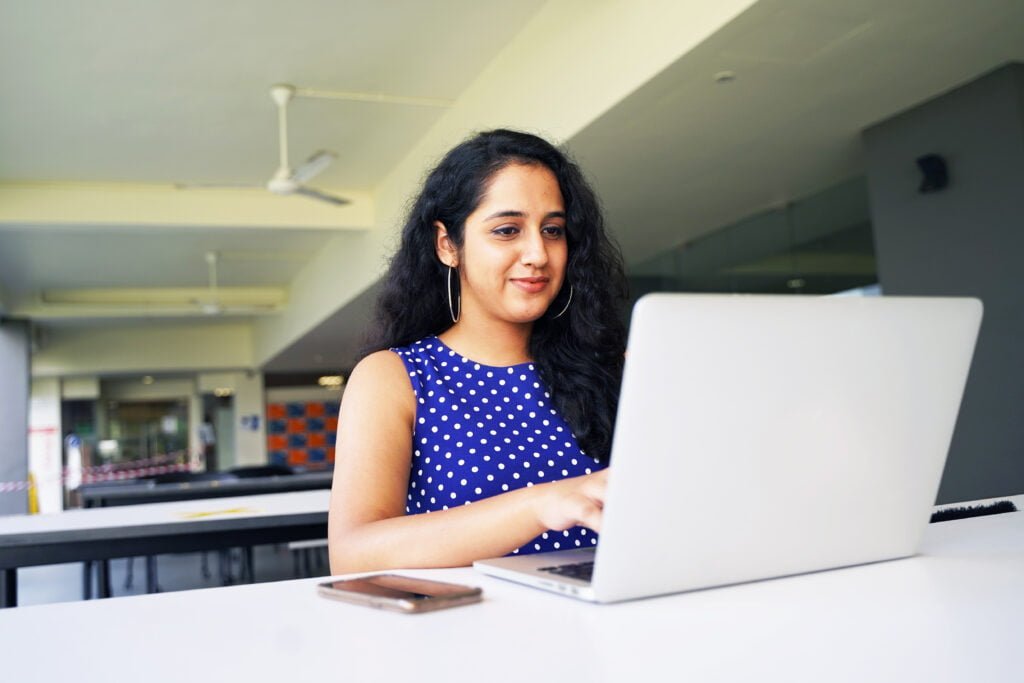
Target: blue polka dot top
482, 430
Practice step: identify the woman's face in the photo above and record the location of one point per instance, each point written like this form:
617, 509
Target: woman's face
514, 252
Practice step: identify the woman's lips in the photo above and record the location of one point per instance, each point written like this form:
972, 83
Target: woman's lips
531, 285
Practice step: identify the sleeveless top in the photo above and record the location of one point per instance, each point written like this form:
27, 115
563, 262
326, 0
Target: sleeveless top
482, 430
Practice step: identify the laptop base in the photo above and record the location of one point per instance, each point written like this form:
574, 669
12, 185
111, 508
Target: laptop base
529, 570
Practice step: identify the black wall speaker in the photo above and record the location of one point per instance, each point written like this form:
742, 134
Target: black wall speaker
934, 171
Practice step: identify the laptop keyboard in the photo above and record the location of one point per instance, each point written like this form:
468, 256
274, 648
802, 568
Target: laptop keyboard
579, 570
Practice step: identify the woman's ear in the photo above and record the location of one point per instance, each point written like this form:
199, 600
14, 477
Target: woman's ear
446, 251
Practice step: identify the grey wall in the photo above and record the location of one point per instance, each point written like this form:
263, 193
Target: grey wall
965, 240
14, 393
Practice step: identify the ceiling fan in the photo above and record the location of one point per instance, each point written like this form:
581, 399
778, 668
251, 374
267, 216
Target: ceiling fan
287, 180
218, 302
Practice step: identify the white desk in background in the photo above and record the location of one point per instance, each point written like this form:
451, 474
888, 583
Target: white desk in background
953, 613
151, 529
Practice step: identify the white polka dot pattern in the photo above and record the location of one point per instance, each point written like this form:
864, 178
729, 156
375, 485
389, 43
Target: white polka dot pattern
482, 430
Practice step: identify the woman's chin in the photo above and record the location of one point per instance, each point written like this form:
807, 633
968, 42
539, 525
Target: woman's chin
530, 315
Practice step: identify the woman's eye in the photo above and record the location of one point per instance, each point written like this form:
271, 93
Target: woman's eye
506, 231
554, 231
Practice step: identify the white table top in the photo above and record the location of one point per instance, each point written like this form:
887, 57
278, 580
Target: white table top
953, 613
207, 511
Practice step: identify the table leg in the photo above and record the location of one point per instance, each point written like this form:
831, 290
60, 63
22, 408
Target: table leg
307, 563
103, 579
250, 569
151, 586
9, 587
87, 580
224, 567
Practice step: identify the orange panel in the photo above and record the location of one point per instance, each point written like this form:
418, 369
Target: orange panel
296, 425
277, 442
314, 410
330, 454
331, 424
275, 411
317, 439
297, 456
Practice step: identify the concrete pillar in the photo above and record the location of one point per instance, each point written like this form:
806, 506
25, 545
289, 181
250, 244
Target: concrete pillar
46, 444
14, 399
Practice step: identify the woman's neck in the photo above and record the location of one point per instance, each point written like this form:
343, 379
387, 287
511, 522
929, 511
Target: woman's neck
498, 344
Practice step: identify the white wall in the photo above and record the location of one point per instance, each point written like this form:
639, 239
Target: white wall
250, 442
80, 388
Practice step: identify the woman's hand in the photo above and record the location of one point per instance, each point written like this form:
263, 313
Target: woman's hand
577, 501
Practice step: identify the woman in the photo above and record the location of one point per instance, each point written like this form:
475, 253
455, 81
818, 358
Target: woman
499, 426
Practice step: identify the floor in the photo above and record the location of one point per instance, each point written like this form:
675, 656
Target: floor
63, 582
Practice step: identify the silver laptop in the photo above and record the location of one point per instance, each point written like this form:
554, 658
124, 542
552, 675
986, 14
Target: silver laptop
766, 436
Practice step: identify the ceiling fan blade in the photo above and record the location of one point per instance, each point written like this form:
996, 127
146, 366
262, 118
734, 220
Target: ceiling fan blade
218, 186
313, 166
216, 308
323, 196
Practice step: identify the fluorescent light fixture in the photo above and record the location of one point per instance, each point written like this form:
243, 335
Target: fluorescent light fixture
331, 381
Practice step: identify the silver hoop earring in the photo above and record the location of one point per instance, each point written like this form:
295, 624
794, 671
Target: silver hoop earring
566, 304
451, 307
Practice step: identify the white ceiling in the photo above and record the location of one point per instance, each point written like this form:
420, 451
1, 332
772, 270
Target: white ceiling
175, 92
169, 92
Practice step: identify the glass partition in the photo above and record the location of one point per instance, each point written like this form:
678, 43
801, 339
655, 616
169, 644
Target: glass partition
822, 244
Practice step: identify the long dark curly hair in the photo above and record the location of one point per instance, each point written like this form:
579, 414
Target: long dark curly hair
579, 355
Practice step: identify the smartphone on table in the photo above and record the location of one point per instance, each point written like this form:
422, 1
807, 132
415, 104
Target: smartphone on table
400, 593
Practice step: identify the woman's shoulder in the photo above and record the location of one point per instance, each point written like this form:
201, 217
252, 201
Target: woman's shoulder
400, 361
379, 367
378, 394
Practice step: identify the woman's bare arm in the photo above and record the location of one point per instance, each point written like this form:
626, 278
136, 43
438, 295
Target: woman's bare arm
368, 528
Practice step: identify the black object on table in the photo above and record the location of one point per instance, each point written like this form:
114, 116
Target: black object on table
965, 511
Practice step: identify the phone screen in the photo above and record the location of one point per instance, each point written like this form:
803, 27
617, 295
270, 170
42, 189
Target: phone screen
399, 587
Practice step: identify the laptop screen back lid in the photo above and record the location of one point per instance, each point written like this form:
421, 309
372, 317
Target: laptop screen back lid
762, 436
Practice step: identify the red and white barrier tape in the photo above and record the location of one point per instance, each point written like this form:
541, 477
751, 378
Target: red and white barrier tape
121, 475
162, 459
110, 472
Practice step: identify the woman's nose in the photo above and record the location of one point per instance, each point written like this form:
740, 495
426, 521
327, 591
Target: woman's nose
535, 250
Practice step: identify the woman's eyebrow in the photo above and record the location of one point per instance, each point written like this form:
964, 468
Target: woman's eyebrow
520, 214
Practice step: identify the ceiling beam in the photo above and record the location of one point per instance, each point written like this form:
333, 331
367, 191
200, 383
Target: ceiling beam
152, 302
146, 206
165, 295
185, 346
